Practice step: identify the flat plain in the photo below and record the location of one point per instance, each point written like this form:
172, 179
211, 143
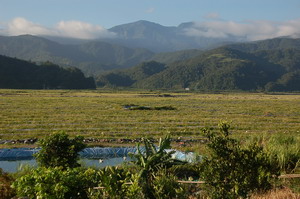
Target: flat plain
102, 114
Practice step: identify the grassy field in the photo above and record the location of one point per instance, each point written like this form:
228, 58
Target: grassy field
36, 113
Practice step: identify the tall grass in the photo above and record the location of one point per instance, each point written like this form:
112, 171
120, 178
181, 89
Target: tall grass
286, 148
283, 150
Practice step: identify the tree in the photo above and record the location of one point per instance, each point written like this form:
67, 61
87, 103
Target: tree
58, 150
232, 171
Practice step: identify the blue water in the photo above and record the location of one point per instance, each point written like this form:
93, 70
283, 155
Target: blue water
13, 166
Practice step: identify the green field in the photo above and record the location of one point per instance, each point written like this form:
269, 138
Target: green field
36, 113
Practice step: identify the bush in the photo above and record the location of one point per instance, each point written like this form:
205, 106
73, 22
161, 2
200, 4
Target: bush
56, 183
232, 171
6, 191
165, 186
58, 150
113, 180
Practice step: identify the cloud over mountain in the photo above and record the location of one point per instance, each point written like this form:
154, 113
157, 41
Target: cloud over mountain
250, 30
77, 29
74, 29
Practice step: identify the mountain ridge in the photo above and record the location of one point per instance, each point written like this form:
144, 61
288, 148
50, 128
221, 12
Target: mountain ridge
224, 68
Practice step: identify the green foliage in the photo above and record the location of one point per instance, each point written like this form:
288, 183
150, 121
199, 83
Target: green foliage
20, 74
116, 183
218, 69
91, 57
6, 191
151, 161
284, 151
232, 171
134, 190
186, 171
113, 180
165, 186
128, 77
268, 44
58, 150
288, 82
56, 183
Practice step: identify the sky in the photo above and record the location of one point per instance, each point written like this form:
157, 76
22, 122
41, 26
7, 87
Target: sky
92, 18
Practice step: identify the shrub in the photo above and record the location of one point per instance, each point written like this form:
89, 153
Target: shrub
58, 150
56, 183
232, 171
6, 191
113, 180
165, 186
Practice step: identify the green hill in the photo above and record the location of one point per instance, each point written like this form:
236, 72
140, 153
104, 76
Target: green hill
268, 44
91, 57
128, 77
19, 74
222, 69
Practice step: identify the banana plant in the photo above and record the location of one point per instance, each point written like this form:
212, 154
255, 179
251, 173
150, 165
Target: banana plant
151, 160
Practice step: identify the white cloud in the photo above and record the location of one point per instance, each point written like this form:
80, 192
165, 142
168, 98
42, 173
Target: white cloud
74, 29
77, 29
251, 30
20, 26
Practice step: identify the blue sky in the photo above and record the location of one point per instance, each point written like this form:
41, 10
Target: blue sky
99, 15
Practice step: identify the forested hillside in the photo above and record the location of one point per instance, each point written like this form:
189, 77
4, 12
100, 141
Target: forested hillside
223, 68
18, 74
91, 57
268, 65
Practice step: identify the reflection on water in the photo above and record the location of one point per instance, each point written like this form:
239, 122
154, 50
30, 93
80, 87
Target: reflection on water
12, 166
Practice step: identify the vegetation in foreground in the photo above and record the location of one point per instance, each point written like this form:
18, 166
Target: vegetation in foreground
230, 170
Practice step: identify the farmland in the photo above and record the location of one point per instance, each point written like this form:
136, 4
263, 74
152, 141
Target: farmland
101, 114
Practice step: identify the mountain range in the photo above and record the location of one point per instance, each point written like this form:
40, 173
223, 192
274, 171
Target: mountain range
271, 65
158, 38
92, 57
147, 55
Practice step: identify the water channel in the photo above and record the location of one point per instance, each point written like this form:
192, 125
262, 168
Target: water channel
12, 159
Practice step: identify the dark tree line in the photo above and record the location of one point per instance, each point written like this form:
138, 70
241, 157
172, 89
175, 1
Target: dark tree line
19, 74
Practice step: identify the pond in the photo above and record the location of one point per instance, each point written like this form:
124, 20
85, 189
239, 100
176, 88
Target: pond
14, 165
98, 157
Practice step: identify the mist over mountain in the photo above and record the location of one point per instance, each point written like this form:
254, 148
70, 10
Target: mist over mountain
158, 38
92, 57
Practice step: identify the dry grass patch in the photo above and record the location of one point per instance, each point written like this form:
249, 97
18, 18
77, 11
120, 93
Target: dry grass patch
284, 193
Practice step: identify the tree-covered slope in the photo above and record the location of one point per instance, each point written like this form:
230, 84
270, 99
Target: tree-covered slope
19, 74
223, 69
268, 44
219, 69
128, 77
91, 57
